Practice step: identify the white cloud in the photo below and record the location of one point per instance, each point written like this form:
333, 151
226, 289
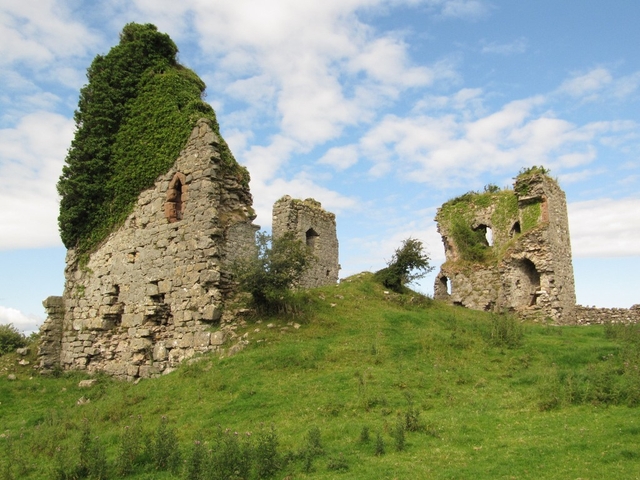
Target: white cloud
301, 186
516, 47
40, 32
386, 60
24, 323
463, 141
605, 227
627, 85
586, 84
466, 9
31, 158
340, 158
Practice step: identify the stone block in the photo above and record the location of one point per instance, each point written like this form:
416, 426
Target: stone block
139, 344
218, 338
201, 339
209, 277
211, 313
164, 286
160, 352
132, 319
186, 341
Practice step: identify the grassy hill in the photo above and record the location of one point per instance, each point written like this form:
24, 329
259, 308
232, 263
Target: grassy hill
446, 392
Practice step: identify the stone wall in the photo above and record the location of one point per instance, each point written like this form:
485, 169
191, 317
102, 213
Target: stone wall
527, 269
147, 297
315, 227
593, 316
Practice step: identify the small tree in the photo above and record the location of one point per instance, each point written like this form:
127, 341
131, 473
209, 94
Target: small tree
277, 267
10, 339
409, 263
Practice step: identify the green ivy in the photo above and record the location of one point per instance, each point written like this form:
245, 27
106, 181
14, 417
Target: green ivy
133, 118
530, 215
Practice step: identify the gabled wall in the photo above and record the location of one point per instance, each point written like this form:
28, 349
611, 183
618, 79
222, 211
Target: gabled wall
145, 299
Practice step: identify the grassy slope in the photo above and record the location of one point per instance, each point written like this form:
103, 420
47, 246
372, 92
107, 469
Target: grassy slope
356, 364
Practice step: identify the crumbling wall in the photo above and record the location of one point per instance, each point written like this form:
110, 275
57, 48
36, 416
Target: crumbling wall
146, 298
51, 333
525, 266
592, 315
315, 227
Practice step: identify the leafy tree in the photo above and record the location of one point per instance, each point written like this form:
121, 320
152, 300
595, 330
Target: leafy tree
133, 118
10, 339
276, 268
408, 263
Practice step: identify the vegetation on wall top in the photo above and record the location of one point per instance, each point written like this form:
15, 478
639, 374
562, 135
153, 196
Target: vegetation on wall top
134, 116
459, 213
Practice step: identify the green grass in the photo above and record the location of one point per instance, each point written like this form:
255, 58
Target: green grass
486, 408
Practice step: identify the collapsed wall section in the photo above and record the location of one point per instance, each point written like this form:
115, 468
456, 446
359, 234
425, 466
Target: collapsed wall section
524, 265
315, 227
146, 298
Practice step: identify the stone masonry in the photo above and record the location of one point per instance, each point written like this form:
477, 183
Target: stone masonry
315, 227
145, 299
529, 269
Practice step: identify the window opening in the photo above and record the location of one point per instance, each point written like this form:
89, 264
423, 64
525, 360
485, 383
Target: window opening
446, 284
174, 207
515, 230
312, 237
488, 234
530, 285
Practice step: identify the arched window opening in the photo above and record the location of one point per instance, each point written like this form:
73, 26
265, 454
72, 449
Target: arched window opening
488, 234
312, 237
176, 196
446, 284
515, 230
529, 283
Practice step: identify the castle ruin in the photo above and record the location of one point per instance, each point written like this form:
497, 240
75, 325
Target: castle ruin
509, 250
315, 227
144, 300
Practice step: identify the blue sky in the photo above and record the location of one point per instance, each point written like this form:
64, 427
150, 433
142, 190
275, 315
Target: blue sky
380, 109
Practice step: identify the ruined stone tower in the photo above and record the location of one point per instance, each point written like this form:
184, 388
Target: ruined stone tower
315, 227
144, 300
509, 250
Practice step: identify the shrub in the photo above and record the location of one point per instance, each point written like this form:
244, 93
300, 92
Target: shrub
10, 339
130, 448
338, 464
266, 453
164, 449
364, 435
271, 274
506, 331
196, 462
399, 435
408, 263
379, 448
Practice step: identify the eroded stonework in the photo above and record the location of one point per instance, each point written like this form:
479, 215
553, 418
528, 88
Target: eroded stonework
315, 227
525, 262
146, 299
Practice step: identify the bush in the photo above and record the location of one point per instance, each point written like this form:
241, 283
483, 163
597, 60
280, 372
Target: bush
10, 339
506, 331
409, 263
271, 274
